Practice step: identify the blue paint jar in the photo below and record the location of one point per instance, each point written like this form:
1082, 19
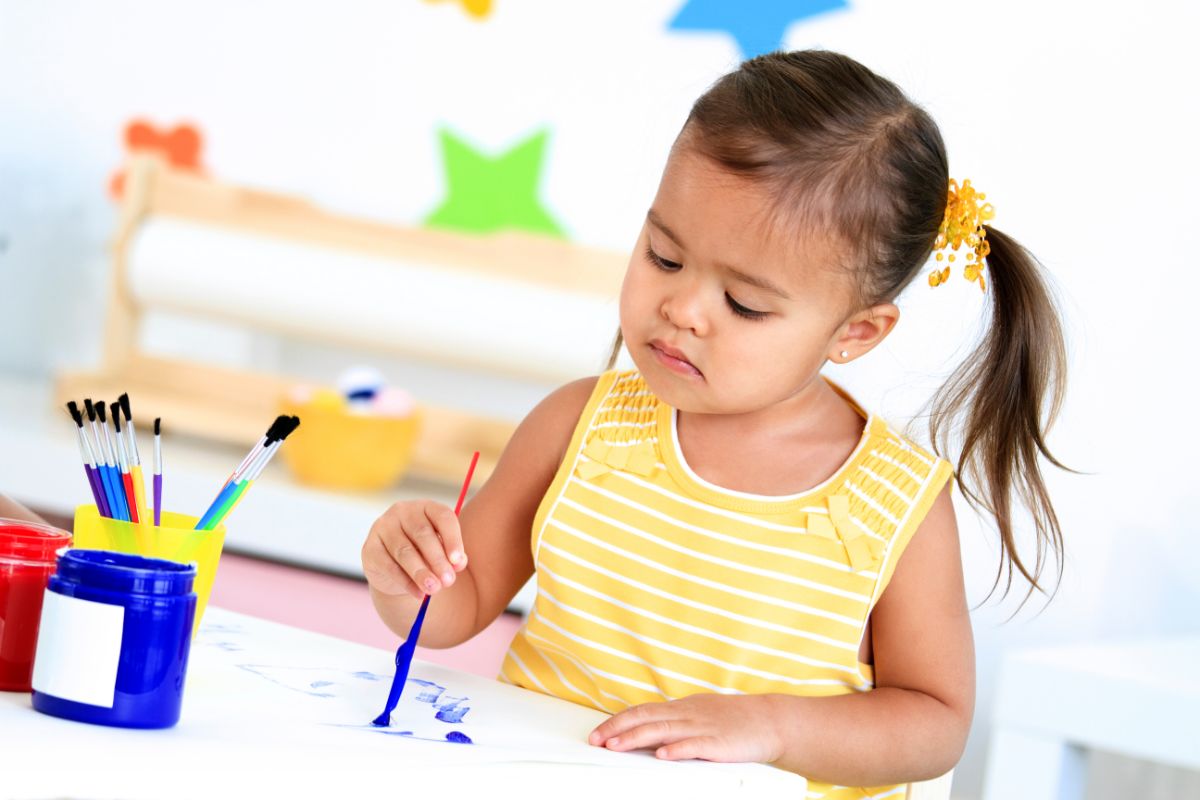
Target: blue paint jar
114, 641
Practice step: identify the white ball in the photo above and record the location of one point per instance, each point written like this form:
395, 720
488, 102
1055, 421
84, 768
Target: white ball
360, 383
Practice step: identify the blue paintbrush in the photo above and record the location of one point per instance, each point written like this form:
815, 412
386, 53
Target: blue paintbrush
404, 655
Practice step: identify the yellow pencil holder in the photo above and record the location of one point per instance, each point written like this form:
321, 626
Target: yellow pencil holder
338, 449
176, 540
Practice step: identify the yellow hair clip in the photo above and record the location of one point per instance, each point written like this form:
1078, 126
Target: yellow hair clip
965, 215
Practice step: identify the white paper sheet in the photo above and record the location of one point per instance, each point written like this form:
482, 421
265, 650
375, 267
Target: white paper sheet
279, 707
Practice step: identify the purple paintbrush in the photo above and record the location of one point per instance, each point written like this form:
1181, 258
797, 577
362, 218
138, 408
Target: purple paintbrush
89, 460
157, 471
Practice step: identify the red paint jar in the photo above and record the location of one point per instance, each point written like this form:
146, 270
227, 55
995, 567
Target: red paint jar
27, 560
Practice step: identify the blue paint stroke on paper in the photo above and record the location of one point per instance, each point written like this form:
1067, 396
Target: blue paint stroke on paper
429, 691
305, 679
330, 683
452, 713
449, 709
454, 737
302, 679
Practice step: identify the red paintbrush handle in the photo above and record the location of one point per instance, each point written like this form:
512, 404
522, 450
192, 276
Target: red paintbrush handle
127, 479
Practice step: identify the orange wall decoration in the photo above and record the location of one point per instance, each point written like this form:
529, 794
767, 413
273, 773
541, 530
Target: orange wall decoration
180, 147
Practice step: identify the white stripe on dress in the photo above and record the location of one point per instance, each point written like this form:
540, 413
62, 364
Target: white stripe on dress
654, 669
893, 487
816, 586
693, 604
811, 662
762, 598
765, 548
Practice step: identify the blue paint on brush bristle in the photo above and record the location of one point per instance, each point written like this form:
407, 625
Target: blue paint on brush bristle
404, 657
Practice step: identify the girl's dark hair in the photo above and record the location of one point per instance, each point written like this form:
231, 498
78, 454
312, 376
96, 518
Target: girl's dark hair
848, 155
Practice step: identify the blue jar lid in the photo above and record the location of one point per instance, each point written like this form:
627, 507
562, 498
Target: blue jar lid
123, 572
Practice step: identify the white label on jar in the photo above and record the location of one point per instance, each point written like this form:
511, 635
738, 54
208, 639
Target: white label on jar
78, 649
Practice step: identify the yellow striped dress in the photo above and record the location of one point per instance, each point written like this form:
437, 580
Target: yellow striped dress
654, 584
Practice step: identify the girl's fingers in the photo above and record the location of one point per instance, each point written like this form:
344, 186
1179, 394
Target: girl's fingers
410, 560
623, 721
706, 747
406, 550
424, 537
381, 570
650, 734
413, 544
446, 524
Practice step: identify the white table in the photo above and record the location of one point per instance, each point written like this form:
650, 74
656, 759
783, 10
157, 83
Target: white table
1139, 699
271, 710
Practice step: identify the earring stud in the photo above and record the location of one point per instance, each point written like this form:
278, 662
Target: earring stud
845, 354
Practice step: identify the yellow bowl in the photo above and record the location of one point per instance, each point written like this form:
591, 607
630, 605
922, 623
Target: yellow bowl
336, 449
176, 540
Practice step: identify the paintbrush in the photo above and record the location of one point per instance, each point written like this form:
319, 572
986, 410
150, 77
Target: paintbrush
89, 460
123, 461
102, 476
246, 473
404, 655
115, 484
135, 461
157, 471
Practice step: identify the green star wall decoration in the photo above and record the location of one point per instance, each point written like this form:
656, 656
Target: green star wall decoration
485, 194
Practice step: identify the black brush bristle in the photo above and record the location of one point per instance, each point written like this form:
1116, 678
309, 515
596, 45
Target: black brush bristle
275, 432
124, 401
157, 425
91, 409
76, 414
100, 412
293, 423
117, 420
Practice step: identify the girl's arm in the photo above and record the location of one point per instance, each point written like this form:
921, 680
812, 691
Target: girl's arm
911, 727
409, 547
11, 509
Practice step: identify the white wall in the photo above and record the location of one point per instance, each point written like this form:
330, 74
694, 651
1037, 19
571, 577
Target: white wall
1075, 118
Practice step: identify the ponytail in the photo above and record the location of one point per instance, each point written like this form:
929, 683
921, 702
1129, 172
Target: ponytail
1009, 392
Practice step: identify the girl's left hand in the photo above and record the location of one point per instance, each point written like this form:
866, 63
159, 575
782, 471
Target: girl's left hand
713, 727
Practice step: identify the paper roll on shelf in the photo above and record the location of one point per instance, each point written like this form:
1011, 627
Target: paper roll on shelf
509, 305
362, 301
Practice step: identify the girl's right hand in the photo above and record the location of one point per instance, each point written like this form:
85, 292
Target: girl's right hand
414, 547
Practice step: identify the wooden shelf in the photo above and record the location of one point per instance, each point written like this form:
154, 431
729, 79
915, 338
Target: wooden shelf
235, 407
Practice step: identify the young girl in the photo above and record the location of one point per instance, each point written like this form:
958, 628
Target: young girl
733, 558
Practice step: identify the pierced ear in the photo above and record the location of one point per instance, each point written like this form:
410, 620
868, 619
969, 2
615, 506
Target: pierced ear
864, 330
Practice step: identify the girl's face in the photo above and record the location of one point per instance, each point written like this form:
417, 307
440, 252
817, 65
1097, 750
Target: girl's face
721, 313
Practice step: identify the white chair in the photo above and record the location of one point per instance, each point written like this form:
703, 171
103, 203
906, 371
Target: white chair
1054, 704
